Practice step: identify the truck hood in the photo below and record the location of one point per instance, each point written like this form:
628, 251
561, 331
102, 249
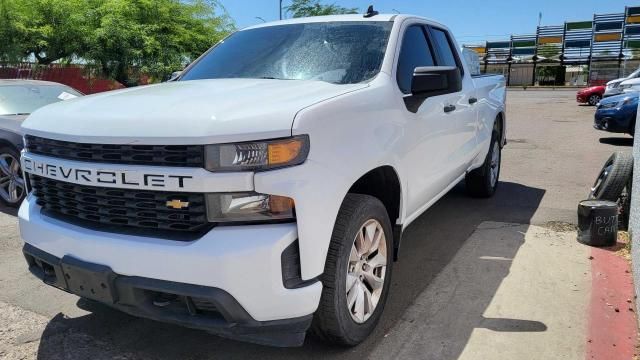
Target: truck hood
616, 81
184, 112
635, 81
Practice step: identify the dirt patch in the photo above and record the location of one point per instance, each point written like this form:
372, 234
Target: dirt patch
560, 226
624, 245
20, 332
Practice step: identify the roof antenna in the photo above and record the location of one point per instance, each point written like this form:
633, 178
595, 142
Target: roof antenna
370, 12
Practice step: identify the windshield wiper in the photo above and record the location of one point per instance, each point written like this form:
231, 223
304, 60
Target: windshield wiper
272, 78
16, 114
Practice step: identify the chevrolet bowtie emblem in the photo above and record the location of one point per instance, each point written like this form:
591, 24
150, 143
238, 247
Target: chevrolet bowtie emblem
177, 204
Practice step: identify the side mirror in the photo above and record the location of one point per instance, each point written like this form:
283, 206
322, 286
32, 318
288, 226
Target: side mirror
435, 80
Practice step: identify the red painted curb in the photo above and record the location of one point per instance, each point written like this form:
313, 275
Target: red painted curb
613, 331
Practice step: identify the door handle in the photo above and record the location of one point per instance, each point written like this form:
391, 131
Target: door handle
473, 100
449, 108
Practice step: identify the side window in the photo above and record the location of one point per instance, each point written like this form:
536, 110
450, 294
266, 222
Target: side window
443, 45
414, 52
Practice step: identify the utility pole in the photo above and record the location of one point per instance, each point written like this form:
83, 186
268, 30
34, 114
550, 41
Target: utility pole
280, 9
539, 18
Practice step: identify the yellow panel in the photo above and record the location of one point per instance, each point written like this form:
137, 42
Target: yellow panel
480, 50
635, 19
608, 37
550, 40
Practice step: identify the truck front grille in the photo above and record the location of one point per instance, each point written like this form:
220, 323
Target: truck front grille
117, 210
159, 155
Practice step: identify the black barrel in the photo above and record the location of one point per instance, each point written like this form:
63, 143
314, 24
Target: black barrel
598, 222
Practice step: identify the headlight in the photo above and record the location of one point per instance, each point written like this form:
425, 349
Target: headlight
248, 207
608, 105
258, 155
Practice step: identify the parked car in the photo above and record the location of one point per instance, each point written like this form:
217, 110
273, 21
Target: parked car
629, 86
267, 188
591, 95
19, 98
613, 86
617, 114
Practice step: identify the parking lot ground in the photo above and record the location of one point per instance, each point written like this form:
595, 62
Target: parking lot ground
477, 278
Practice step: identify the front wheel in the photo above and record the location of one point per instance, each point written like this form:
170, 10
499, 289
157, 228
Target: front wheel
357, 273
12, 188
594, 99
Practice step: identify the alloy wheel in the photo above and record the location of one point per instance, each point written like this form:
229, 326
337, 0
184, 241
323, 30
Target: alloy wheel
12, 187
595, 189
366, 271
495, 163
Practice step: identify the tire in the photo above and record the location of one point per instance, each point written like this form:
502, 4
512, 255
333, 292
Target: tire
613, 177
335, 321
12, 188
483, 181
594, 99
624, 206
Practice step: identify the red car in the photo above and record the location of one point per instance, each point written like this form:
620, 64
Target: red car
591, 95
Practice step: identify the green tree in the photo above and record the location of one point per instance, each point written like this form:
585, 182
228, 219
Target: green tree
153, 37
53, 29
11, 31
304, 8
123, 38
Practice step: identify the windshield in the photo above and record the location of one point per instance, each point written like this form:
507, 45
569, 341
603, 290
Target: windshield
634, 74
25, 98
336, 52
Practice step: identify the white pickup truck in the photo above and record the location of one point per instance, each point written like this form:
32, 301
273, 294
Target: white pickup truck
265, 191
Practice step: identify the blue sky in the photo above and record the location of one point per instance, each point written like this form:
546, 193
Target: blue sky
471, 21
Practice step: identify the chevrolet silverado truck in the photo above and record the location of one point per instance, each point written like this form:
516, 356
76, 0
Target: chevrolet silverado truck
265, 191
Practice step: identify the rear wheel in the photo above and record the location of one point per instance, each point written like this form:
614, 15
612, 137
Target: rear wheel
483, 181
357, 272
594, 99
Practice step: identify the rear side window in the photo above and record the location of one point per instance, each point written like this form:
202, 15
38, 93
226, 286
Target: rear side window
414, 52
442, 43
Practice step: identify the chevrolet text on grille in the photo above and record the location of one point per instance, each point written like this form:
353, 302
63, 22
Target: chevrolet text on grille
102, 176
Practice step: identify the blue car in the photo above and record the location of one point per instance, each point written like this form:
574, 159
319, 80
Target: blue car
617, 114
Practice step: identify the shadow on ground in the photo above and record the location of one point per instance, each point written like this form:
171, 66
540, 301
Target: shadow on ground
8, 210
617, 141
430, 243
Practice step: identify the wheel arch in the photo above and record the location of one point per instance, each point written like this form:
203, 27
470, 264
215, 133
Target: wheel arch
384, 184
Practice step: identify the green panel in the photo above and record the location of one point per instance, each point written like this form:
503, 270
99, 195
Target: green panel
523, 51
635, 10
632, 44
524, 43
580, 25
498, 45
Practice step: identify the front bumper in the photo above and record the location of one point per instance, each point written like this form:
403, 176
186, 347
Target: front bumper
612, 120
192, 306
244, 262
612, 92
582, 98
